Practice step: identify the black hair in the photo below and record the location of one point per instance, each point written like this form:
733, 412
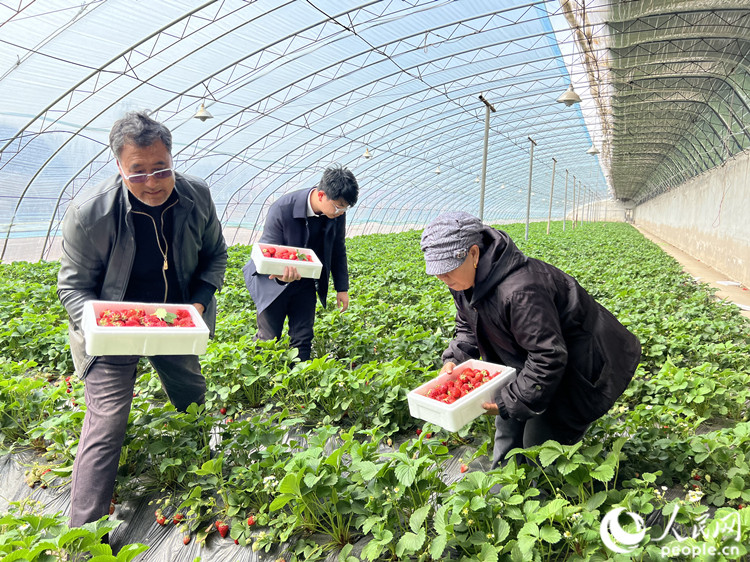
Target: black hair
339, 183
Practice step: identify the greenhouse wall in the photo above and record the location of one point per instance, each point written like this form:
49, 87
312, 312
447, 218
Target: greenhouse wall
707, 217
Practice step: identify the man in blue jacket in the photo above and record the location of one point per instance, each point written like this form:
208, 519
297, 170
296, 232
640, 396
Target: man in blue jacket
309, 218
147, 234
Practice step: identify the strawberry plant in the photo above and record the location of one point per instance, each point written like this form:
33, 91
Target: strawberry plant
166, 445
240, 371
29, 535
316, 495
399, 488
682, 417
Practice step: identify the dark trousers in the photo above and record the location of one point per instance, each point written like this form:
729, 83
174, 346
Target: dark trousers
296, 302
108, 390
512, 433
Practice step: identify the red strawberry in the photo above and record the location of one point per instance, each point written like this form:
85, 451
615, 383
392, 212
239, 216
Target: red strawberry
186, 539
251, 520
236, 541
161, 520
464, 468
177, 518
223, 528
223, 411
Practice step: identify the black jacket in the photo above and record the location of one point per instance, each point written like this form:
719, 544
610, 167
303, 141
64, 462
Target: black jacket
99, 249
571, 354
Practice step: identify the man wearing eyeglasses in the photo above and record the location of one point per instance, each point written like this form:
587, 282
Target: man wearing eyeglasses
147, 234
309, 218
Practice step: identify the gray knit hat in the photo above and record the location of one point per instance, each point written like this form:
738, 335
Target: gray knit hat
447, 239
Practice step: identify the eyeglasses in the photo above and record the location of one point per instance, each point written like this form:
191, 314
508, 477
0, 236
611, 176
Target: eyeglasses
338, 210
157, 175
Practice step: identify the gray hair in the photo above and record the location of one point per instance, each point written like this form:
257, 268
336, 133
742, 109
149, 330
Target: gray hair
138, 129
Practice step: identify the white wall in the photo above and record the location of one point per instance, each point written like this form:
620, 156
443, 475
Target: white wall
708, 217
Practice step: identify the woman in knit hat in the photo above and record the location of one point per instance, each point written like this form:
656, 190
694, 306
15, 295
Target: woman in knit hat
573, 359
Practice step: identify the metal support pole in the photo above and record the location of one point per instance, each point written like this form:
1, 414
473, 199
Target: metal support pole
488, 107
565, 201
581, 196
528, 195
551, 191
573, 207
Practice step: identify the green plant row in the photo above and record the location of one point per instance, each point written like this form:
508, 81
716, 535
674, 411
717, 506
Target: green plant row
323, 454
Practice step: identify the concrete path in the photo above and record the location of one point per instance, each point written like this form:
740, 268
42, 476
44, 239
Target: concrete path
727, 289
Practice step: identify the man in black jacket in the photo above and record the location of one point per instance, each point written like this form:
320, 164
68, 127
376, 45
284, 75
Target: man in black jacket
147, 234
572, 357
309, 218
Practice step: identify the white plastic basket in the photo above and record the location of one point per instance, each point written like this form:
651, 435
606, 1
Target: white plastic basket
467, 408
275, 266
135, 340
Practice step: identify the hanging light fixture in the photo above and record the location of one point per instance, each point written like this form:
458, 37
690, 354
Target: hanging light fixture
593, 150
202, 114
476, 180
569, 97
367, 154
437, 170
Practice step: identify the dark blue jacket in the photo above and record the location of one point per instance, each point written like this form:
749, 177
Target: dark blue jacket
286, 225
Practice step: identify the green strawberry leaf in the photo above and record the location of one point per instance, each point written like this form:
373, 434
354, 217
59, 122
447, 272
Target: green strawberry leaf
162, 314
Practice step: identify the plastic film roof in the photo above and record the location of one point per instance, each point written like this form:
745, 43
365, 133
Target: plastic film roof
672, 87
294, 86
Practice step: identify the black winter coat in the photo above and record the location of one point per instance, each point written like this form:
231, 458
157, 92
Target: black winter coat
571, 355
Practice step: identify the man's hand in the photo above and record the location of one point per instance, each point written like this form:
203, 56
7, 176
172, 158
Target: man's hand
342, 300
199, 307
290, 274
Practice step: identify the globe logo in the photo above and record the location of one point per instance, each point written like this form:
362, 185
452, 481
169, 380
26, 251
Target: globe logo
618, 539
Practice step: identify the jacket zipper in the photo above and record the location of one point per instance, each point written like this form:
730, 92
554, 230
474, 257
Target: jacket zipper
165, 251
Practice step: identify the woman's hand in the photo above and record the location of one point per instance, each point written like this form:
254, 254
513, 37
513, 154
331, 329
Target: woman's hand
491, 408
447, 368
